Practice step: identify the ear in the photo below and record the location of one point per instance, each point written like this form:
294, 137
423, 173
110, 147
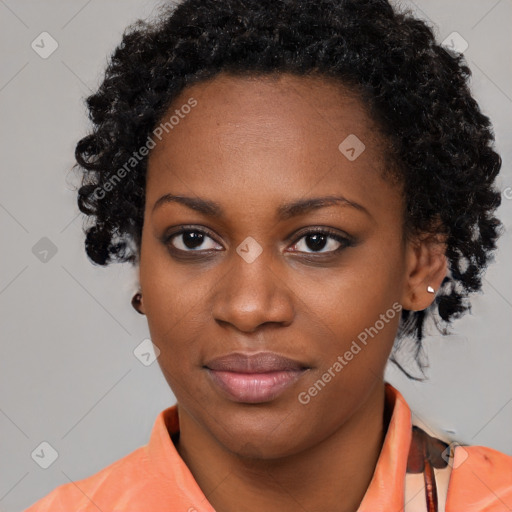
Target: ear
426, 265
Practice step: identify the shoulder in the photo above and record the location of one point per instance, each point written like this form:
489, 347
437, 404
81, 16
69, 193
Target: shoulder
481, 480
104, 487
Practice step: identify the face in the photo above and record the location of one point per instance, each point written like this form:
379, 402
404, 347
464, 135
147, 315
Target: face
252, 274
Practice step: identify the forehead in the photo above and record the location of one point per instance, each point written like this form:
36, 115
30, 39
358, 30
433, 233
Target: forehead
269, 133
261, 108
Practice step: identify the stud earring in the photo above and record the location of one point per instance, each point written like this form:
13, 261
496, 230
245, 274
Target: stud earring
430, 289
136, 302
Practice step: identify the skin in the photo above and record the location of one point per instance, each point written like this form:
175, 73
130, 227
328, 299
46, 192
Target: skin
252, 144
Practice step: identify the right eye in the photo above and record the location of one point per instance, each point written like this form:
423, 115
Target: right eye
189, 240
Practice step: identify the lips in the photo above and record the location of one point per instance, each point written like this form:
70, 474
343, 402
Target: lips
260, 362
254, 378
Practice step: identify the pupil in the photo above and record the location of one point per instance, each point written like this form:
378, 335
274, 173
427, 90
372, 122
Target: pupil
192, 239
318, 241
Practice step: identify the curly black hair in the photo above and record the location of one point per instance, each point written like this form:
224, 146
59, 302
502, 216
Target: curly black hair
417, 91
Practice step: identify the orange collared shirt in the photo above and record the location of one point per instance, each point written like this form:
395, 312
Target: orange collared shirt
154, 478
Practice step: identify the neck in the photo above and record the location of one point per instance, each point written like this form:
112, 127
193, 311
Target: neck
332, 475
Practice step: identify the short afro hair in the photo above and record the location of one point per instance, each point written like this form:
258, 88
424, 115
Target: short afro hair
417, 91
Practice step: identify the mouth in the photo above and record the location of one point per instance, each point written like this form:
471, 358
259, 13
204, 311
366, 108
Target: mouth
254, 378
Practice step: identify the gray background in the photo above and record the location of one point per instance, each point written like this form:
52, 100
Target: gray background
68, 373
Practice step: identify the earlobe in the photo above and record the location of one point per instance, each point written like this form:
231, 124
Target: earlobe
426, 269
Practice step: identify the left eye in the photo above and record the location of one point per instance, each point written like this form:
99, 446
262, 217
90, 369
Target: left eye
318, 240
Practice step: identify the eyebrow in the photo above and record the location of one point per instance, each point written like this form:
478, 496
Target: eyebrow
284, 212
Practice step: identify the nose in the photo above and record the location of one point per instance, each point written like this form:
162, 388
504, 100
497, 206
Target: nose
253, 294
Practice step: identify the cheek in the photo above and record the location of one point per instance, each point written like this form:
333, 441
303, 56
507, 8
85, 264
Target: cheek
173, 294
356, 345
351, 357
173, 307
176, 318
352, 313
354, 298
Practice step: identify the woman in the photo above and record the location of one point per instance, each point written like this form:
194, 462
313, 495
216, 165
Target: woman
301, 187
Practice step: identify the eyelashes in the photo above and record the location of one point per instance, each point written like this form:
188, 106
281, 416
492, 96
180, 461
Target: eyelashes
314, 241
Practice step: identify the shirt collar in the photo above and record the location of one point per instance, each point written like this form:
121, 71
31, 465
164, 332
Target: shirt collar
385, 492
